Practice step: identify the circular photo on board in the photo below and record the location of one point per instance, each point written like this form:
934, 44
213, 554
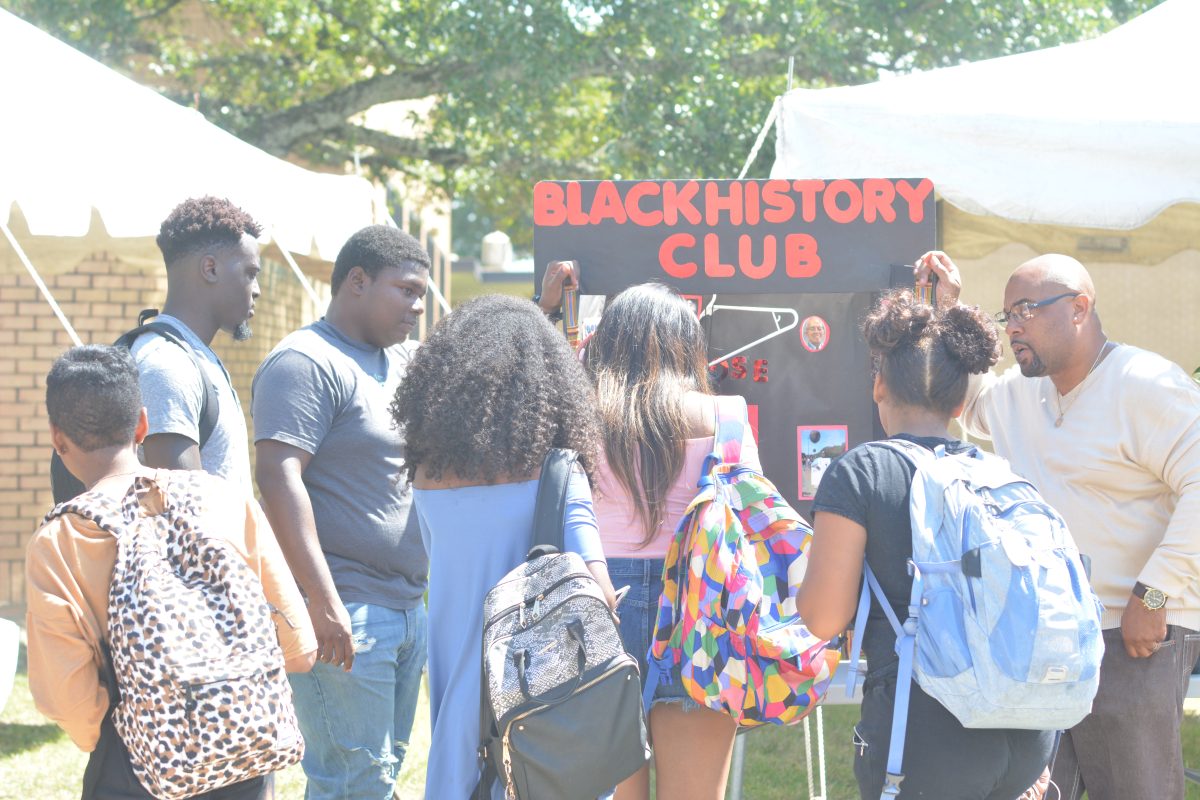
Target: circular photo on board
814, 334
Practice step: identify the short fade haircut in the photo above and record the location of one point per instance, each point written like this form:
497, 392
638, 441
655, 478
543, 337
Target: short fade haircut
374, 248
203, 222
92, 395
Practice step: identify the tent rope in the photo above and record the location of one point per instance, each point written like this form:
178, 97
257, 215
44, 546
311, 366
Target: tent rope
762, 135
33, 273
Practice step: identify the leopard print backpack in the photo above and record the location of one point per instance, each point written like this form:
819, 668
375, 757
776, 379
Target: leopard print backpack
205, 700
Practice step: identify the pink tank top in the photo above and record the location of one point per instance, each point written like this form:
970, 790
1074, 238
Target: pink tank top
622, 532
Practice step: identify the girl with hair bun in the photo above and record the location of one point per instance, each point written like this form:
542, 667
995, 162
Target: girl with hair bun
923, 358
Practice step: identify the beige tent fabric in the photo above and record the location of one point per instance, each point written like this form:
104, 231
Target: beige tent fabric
1174, 230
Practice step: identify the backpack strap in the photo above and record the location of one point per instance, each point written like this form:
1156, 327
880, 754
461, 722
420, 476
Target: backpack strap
549, 512
209, 404
906, 649
731, 428
549, 515
101, 509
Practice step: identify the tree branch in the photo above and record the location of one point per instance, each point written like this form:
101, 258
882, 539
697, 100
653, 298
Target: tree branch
281, 131
396, 148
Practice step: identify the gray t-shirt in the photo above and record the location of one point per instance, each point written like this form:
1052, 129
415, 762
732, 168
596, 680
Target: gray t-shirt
328, 395
174, 394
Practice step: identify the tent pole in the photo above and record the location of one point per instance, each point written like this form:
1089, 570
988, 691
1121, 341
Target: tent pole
33, 273
762, 134
300, 276
437, 293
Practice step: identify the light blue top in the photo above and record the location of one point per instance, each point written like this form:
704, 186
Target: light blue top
475, 535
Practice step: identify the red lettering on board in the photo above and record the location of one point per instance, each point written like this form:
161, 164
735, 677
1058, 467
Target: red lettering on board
607, 205
878, 196
633, 201
666, 255
713, 267
575, 213
853, 208
800, 257
750, 190
678, 201
548, 208
746, 257
915, 195
780, 205
715, 203
808, 197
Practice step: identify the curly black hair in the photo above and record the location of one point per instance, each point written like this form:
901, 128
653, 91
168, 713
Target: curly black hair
925, 354
203, 222
92, 396
375, 247
491, 390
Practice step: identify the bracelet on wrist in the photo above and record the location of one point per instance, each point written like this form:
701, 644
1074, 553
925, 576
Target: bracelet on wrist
554, 316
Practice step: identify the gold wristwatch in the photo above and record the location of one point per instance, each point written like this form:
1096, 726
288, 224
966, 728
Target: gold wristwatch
1153, 599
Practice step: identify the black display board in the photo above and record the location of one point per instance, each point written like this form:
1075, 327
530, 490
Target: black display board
780, 272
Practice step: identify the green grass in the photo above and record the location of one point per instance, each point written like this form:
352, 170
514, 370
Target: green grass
38, 761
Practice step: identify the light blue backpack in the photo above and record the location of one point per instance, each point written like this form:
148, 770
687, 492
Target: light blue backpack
1003, 627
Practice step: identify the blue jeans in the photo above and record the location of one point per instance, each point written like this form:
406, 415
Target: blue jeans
638, 612
356, 724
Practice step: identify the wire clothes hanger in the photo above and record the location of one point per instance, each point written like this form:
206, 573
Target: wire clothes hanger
777, 315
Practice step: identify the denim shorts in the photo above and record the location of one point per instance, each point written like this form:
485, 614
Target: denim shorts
638, 611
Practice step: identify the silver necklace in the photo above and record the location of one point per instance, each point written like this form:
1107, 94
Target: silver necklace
1063, 409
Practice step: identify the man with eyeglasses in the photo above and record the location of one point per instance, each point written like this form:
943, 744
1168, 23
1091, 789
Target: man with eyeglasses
1110, 434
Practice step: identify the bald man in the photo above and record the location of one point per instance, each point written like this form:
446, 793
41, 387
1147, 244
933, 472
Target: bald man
1110, 434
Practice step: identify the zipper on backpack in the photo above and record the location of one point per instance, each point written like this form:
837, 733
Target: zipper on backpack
499, 616
510, 786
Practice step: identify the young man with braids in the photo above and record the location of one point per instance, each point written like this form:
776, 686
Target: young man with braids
211, 252
329, 462
1110, 434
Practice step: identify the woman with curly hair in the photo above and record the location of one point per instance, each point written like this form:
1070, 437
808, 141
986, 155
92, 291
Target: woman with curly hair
486, 396
648, 361
924, 357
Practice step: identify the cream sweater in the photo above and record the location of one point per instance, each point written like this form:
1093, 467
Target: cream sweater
1123, 469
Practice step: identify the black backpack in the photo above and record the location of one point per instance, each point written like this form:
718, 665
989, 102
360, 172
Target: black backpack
560, 699
66, 486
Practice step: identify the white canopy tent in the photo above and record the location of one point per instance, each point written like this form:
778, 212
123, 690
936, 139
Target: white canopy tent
79, 140
1103, 133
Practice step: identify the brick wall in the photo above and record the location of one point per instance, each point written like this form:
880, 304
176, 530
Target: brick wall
102, 297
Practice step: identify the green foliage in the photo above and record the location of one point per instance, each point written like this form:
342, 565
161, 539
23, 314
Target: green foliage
541, 88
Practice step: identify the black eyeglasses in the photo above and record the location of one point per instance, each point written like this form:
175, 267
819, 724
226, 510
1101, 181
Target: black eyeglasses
1024, 309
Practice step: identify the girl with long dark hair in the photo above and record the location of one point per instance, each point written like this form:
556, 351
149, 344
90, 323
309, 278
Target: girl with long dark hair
648, 361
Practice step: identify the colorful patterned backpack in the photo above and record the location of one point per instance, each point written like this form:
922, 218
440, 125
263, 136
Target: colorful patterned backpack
727, 614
